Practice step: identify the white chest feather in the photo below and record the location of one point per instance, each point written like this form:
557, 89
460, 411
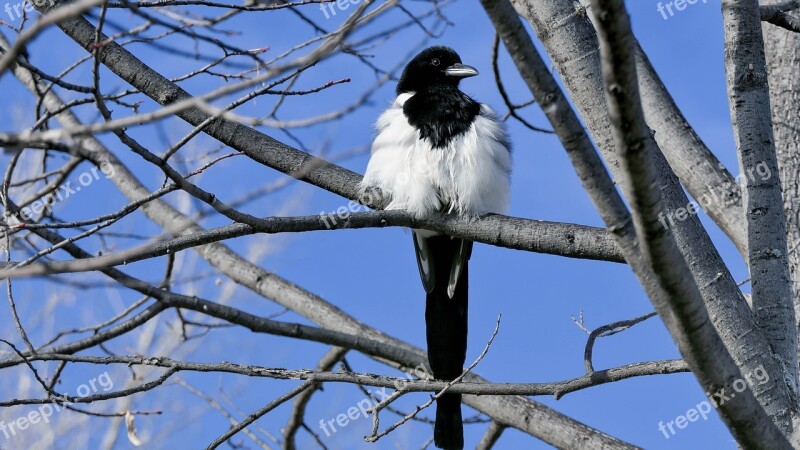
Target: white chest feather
469, 176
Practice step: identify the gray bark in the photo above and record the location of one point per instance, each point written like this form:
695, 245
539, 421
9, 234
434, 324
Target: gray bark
576, 58
539, 236
665, 277
782, 49
697, 168
699, 343
779, 14
748, 94
570, 40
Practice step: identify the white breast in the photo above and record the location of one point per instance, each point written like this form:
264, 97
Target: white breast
471, 174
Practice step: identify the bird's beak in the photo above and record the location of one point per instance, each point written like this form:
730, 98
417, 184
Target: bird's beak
461, 71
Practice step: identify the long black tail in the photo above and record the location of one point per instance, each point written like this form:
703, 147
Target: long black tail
446, 325
448, 431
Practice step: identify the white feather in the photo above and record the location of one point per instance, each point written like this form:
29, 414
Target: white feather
471, 174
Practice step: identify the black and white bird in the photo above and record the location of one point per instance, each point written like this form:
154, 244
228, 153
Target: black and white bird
437, 149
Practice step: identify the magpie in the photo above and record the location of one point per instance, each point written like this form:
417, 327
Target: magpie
438, 150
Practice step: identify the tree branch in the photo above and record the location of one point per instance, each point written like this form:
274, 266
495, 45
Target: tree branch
257, 414
692, 330
296, 418
571, 42
402, 384
562, 239
778, 14
570, 39
491, 436
748, 94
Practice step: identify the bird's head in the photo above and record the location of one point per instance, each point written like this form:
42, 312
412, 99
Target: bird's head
434, 66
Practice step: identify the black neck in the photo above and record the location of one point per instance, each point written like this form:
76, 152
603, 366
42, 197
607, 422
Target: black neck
441, 112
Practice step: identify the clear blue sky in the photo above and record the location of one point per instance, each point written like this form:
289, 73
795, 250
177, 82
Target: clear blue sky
371, 274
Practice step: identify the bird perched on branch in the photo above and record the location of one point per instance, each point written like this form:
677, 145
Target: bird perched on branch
437, 149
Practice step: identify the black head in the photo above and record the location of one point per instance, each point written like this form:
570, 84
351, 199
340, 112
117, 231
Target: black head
433, 66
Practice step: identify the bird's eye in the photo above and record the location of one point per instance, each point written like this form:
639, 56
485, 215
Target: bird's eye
435, 62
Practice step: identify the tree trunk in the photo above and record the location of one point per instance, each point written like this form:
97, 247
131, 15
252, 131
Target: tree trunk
783, 64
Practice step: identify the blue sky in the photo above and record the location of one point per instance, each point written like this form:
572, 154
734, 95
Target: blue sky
371, 274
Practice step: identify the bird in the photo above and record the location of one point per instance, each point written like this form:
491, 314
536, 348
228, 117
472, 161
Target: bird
436, 150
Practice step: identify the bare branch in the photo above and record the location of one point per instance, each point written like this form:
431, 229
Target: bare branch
688, 320
608, 330
296, 418
53, 15
577, 241
473, 387
214, 404
570, 39
491, 436
257, 414
778, 14
375, 435
748, 93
